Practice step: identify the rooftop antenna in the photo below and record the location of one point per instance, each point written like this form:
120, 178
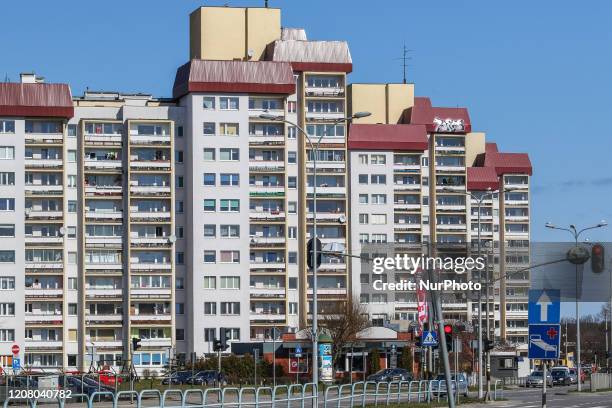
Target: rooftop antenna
405, 58
266, 3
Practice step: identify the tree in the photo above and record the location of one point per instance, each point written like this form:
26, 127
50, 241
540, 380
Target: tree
406, 358
343, 324
374, 364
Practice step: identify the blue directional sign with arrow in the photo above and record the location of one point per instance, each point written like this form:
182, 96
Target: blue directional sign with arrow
544, 306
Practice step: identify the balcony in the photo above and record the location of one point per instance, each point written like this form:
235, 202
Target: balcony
151, 267
151, 318
144, 165
406, 168
40, 240
43, 190
334, 216
255, 112
406, 207
267, 265
44, 138
164, 343
136, 189
150, 242
153, 293
43, 345
407, 226
261, 240
271, 190
331, 92
450, 148
43, 293
407, 186
450, 169
517, 218
104, 215
324, 116
266, 140
43, 319
44, 265
43, 215
261, 317
103, 267
43, 163
102, 343
328, 291
451, 227
106, 191
153, 140
267, 216
267, 166
156, 216
103, 318
102, 139
332, 267
103, 293
270, 292
103, 164
112, 241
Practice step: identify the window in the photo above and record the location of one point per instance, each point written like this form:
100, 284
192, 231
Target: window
72, 206
229, 179
379, 199
228, 103
7, 309
291, 132
208, 102
210, 205
72, 283
292, 207
210, 256
379, 219
179, 283
7, 126
72, 180
180, 207
363, 159
209, 179
363, 218
228, 129
378, 159
379, 238
7, 335
292, 106
210, 230
232, 334
72, 156
292, 257
209, 154
210, 282
229, 256
364, 238
178, 156
209, 128
7, 204
292, 182
230, 308
209, 335
363, 179
179, 232
7, 179
230, 231
292, 232
378, 179
179, 334
210, 308
7, 283
180, 258
7, 230
364, 298
179, 131
71, 232
72, 309
229, 205
363, 198
293, 283
230, 282
7, 257
291, 157
7, 152
229, 154
180, 308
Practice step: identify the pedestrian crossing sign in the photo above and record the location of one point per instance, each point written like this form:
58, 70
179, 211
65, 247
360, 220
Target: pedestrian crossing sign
429, 339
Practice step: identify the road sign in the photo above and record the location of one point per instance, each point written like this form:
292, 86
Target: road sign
15, 349
16, 364
544, 306
544, 341
430, 339
298, 351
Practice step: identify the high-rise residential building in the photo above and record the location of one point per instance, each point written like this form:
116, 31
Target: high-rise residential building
418, 174
177, 220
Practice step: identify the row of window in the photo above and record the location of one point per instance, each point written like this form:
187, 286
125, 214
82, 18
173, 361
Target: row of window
225, 282
226, 308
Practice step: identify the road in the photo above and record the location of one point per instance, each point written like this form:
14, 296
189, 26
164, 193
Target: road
557, 397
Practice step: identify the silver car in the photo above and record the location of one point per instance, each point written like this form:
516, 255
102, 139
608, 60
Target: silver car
536, 379
459, 382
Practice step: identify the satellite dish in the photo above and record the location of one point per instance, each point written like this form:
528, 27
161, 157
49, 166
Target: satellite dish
62, 230
342, 219
250, 53
172, 239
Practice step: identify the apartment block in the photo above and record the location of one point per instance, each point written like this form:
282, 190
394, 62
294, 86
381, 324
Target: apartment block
177, 220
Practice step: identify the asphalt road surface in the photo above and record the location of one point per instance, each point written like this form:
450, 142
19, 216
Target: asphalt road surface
556, 397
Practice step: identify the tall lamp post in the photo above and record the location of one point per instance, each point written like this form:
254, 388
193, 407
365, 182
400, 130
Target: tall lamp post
314, 147
480, 199
576, 235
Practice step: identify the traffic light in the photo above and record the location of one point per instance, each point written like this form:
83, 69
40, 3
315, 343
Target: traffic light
310, 250
135, 343
598, 263
223, 335
487, 345
217, 345
448, 334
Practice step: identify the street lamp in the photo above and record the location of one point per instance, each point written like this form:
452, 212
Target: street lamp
314, 147
480, 199
576, 234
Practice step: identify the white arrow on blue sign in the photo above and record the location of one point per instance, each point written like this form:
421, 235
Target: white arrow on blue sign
544, 306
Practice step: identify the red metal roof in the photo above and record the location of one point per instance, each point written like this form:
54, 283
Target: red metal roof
482, 178
35, 100
266, 77
491, 147
508, 163
422, 113
387, 137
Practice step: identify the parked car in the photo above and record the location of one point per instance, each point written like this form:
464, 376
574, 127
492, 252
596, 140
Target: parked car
574, 375
84, 385
177, 378
535, 379
391, 374
458, 381
207, 377
560, 376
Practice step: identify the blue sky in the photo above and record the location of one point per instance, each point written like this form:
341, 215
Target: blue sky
534, 75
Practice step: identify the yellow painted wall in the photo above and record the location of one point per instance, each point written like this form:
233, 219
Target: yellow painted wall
263, 27
369, 98
474, 145
227, 33
399, 98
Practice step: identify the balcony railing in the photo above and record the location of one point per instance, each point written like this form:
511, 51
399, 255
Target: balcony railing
44, 163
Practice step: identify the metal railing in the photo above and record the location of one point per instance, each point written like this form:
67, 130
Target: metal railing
285, 396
